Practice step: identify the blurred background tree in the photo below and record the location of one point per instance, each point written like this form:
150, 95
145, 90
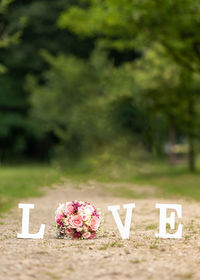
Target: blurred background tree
82, 77
129, 24
20, 136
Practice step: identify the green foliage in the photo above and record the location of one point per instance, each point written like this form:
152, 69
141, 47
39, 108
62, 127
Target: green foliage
5, 38
79, 101
88, 104
159, 82
4, 4
129, 23
172, 25
21, 136
72, 102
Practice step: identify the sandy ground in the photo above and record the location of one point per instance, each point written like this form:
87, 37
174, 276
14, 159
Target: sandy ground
108, 257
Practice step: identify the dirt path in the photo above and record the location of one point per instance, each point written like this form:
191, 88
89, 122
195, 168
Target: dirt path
108, 257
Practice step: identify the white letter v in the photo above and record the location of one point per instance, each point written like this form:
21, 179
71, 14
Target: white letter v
124, 230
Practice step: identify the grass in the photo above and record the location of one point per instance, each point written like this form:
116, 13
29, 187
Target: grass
24, 181
151, 227
135, 261
171, 181
187, 275
153, 245
113, 244
18, 182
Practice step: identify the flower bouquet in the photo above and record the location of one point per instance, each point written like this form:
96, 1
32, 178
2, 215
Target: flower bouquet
77, 220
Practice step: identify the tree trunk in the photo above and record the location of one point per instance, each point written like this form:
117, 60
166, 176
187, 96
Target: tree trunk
191, 135
191, 154
172, 141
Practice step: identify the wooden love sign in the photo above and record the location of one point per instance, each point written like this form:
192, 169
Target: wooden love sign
124, 230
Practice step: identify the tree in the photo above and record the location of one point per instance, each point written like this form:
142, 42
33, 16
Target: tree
71, 102
168, 90
6, 40
128, 23
132, 24
21, 135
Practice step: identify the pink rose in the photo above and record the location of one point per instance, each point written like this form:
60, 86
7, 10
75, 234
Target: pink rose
92, 236
82, 214
59, 218
86, 235
84, 217
69, 209
95, 223
76, 221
